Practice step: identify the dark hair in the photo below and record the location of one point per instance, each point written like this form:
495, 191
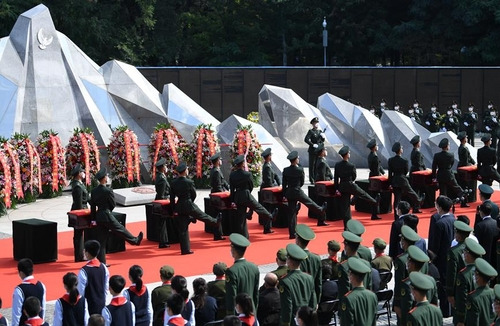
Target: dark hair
245, 302
463, 218
239, 250
404, 207
231, 320
71, 281
25, 265
485, 208
326, 270
176, 303
302, 242
444, 202
92, 247
117, 283
200, 292
135, 272
308, 316
32, 306
418, 264
96, 320
179, 284
353, 245
411, 221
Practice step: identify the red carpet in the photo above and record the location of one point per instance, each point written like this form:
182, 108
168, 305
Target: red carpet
207, 252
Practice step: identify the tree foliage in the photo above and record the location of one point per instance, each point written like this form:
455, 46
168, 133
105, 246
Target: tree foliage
276, 32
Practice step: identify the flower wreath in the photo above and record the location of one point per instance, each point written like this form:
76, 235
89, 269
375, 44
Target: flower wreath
52, 164
82, 148
203, 145
245, 143
124, 158
29, 162
12, 160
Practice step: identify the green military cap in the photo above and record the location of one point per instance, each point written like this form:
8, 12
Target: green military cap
167, 271
415, 139
357, 265
461, 135
355, 227
181, 167
238, 160
77, 169
421, 281
101, 174
496, 289
215, 157
293, 155
483, 267
333, 245
161, 162
417, 254
319, 148
219, 268
396, 147
485, 189
474, 247
461, 226
305, 232
372, 143
443, 143
351, 237
267, 152
295, 252
485, 138
344, 150
314, 120
281, 254
379, 243
409, 234
239, 240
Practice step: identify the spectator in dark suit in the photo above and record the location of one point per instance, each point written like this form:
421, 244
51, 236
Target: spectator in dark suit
402, 210
486, 232
329, 288
205, 306
412, 221
268, 310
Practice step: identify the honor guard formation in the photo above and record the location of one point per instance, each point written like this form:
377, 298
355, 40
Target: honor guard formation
452, 274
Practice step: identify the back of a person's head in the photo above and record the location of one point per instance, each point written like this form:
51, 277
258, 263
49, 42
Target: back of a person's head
444, 202
117, 283
199, 286
326, 269
25, 265
96, 320
179, 285
485, 208
176, 303
92, 247
231, 320
308, 316
245, 302
412, 221
404, 207
463, 218
70, 280
32, 306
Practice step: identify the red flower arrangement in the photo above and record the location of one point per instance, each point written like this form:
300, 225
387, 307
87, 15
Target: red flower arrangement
203, 146
82, 148
166, 142
245, 143
29, 162
12, 160
124, 158
52, 165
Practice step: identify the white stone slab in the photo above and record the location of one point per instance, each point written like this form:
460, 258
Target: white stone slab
135, 196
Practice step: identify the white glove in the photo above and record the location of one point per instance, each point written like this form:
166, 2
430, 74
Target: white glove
494, 119
413, 118
488, 128
466, 124
451, 120
315, 145
434, 115
428, 123
323, 135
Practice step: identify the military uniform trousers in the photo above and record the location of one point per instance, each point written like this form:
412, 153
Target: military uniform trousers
297, 195
182, 224
450, 187
107, 225
348, 188
243, 199
403, 189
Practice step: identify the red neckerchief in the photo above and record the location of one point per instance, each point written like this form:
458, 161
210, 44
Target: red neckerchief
218, 278
30, 280
137, 292
249, 320
334, 259
66, 298
380, 254
177, 321
118, 301
94, 263
34, 321
166, 283
1, 316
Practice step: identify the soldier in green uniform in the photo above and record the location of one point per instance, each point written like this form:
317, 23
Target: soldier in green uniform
358, 229
162, 192
269, 179
183, 188
351, 244
417, 259
80, 198
333, 247
293, 180
496, 305
217, 288
281, 261
381, 262
343, 179
314, 138
323, 173
480, 301
160, 294
358, 306
217, 181
408, 237
465, 279
311, 265
243, 276
102, 203
417, 162
296, 288
486, 160
374, 163
241, 186
454, 259
424, 313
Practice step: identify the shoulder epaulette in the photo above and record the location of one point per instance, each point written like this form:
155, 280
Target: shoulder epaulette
462, 270
471, 292
345, 295
412, 310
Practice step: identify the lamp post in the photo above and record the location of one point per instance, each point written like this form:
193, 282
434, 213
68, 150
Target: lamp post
325, 41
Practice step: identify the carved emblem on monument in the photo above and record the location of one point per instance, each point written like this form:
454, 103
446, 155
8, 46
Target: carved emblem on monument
44, 39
